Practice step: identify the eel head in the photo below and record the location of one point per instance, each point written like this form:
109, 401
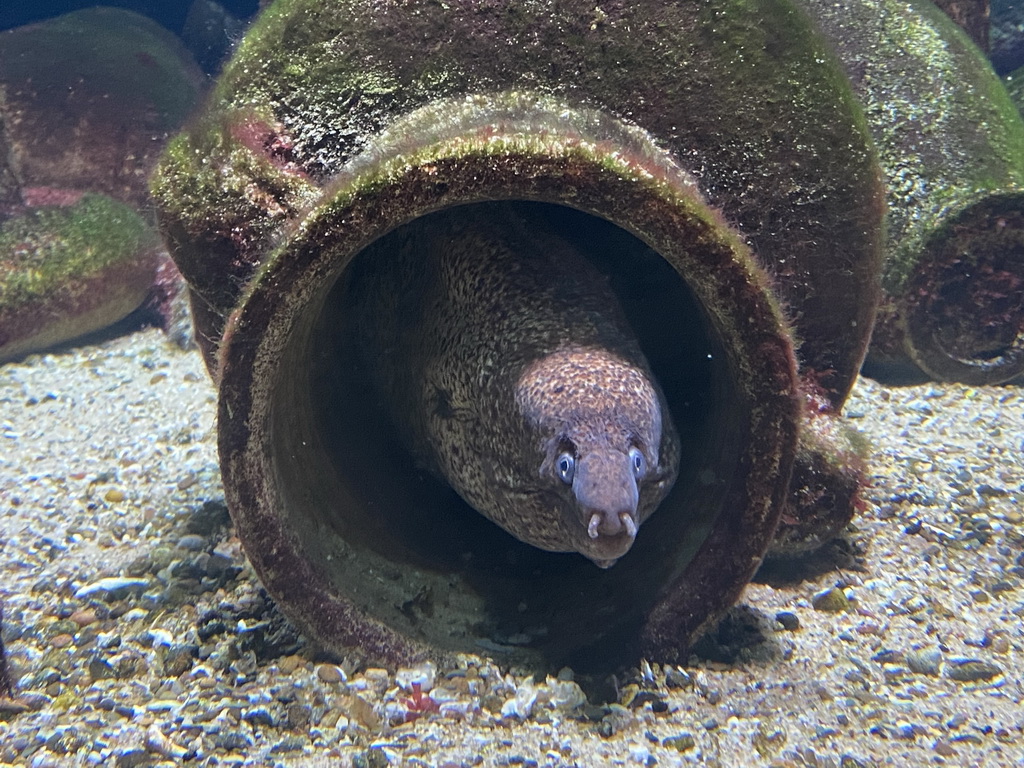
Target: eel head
598, 421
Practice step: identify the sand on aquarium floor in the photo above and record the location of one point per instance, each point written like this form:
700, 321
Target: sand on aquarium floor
139, 635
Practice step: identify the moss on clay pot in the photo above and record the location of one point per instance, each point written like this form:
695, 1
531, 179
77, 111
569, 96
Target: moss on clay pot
952, 147
741, 92
688, 151
87, 100
68, 270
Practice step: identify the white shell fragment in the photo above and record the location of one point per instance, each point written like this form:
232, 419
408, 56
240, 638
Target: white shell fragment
423, 674
111, 584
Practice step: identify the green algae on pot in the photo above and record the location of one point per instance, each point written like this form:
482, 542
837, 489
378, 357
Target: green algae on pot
742, 92
87, 100
224, 190
68, 270
637, 134
952, 148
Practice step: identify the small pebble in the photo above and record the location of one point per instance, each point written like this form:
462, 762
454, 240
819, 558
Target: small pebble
157, 743
1000, 644
329, 673
849, 761
905, 731
971, 670
969, 738
100, 669
925, 661
210, 517
139, 566
640, 698
788, 620
677, 678
261, 717
231, 741
83, 617
832, 600
371, 758
187, 482
192, 542
297, 715
111, 588
133, 758
178, 660
944, 748
289, 664
888, 656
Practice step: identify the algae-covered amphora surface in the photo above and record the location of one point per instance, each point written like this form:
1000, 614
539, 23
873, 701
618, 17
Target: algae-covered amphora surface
87, 102
952, 148
90, 98
69, 269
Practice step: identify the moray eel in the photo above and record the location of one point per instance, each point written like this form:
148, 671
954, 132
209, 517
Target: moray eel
506, 364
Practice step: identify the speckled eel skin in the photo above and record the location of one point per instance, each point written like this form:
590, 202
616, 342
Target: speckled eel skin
507, 366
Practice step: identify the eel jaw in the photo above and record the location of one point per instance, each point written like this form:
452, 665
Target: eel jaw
621, 541
606, 499
626, 520
604, 548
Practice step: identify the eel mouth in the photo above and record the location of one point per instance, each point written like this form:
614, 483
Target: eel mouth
605, 540
625, 523
607, 499
609, 537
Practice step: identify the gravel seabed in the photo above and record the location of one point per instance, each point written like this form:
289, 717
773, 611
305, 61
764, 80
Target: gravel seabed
108, 469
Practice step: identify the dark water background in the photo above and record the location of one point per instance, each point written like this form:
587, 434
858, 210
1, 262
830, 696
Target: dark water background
170, 13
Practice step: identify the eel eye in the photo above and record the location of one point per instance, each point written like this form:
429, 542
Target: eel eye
566, 467
638, 462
